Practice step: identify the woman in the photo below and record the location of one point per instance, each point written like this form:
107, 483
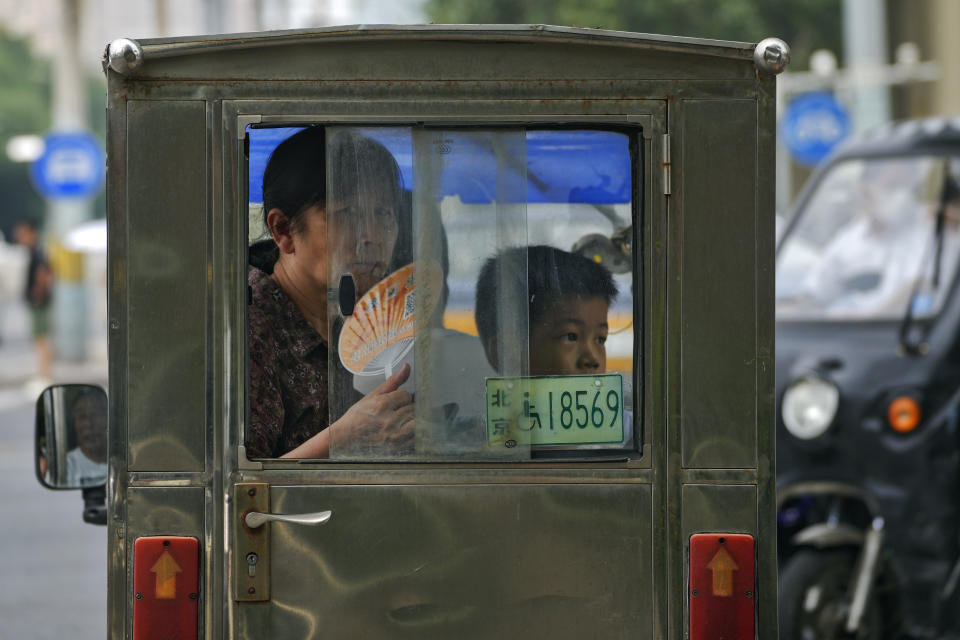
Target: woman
317, 237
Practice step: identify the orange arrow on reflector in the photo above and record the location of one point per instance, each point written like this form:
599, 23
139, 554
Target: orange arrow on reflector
167, 569
722, 567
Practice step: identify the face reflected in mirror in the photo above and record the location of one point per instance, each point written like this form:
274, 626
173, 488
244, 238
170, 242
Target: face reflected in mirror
72, 436
90, 424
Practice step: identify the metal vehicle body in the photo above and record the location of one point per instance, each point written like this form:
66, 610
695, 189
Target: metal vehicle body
867, 468
558, 541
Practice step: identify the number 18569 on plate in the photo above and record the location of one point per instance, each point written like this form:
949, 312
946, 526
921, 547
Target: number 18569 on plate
555, 410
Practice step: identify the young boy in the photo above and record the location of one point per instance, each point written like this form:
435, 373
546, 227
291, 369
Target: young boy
565, 298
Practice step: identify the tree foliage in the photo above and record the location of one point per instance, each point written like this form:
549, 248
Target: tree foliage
805, 24
24, 109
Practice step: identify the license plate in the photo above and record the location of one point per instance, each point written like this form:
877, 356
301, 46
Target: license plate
555, 410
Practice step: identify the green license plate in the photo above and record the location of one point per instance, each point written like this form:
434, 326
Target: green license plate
555, 410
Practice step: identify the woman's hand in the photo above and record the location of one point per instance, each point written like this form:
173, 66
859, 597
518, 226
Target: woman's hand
382, 420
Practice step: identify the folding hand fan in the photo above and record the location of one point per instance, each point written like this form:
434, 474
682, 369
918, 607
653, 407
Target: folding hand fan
380, 333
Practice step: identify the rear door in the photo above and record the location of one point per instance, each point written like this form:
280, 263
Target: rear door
524, 503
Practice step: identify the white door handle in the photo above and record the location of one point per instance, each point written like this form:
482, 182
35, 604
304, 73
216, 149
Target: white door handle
256, 519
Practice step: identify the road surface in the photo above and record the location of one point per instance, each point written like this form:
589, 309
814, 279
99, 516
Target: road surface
53, 566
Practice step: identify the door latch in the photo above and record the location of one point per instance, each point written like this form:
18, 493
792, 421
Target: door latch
251, 545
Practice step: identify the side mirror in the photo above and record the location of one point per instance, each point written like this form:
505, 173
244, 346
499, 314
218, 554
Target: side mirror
71, 437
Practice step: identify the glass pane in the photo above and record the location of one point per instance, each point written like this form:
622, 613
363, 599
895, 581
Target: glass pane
876, 237
584, 206
398, 319
477, 178
495, 263
287, 333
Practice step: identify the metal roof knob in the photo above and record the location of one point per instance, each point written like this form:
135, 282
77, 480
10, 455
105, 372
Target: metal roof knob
124, 55
772, 55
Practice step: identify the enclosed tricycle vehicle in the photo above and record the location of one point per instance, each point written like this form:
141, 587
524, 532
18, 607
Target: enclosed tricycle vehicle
868, 391
438, 332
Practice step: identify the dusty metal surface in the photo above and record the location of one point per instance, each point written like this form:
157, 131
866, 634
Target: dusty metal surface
492, 561
425, 550
127, 56
167, 296
719, 362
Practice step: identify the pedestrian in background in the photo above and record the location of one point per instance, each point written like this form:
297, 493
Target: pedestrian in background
38, 293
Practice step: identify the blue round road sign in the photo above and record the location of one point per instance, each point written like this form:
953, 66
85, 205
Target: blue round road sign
72, 166
813, 124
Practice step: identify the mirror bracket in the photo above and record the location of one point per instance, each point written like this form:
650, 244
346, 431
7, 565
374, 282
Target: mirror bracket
95, 505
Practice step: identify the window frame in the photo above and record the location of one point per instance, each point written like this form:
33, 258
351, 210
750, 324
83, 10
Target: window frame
639, 128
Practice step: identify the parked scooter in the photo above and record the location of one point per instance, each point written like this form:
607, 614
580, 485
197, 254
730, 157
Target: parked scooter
868, 391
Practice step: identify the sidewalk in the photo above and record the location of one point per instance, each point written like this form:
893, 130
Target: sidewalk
18, 364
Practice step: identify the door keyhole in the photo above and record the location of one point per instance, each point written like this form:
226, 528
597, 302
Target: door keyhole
252, 560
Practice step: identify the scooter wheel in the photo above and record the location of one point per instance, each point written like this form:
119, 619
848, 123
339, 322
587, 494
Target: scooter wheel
815, 594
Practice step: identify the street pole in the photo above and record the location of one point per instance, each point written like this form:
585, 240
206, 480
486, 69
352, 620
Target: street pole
69, 311
865, 50
864, 85
214, 16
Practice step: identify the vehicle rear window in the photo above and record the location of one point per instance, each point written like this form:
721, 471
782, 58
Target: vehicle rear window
419, 293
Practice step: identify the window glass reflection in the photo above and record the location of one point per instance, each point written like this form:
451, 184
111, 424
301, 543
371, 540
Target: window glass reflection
405, 282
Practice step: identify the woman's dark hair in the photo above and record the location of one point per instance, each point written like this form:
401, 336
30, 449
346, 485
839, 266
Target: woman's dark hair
358, 163
295, 178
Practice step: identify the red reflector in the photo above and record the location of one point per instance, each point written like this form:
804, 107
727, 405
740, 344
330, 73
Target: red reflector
166, 572
722, 598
